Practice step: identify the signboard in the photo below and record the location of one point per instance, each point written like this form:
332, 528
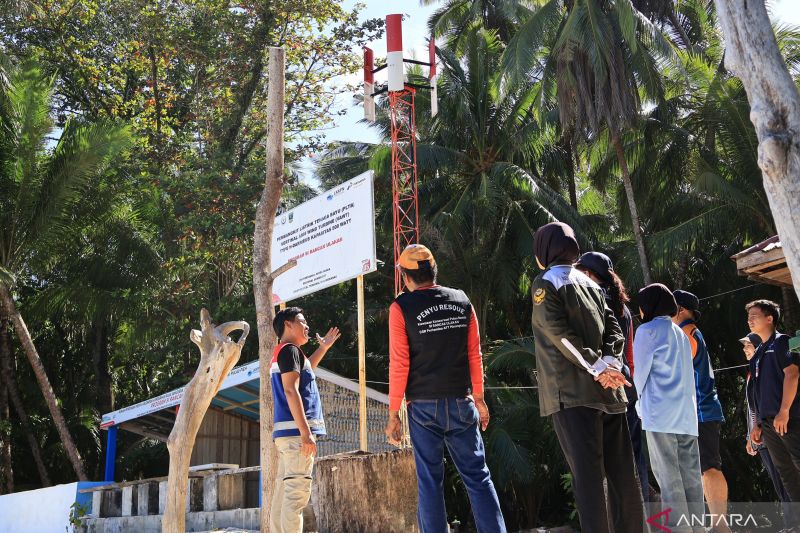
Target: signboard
332, 237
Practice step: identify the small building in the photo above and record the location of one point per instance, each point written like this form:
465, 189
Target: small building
224, 476
764, 262
230, 430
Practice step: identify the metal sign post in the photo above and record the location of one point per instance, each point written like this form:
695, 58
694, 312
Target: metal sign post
362, 367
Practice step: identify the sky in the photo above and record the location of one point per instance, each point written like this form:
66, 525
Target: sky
415, 33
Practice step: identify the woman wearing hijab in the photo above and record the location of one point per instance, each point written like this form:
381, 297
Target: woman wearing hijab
600, 269
578, 349
664, 379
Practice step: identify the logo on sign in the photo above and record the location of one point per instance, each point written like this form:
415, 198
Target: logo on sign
291, 217
356, 183
365, 264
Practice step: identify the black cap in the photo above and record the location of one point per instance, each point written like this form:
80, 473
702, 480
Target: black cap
597, 262
752, 338
689, 301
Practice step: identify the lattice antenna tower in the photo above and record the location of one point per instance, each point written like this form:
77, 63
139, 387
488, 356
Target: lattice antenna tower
402, 113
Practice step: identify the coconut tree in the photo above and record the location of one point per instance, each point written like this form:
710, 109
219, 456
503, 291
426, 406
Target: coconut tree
45, 197
696, 154
455, 18
602, 57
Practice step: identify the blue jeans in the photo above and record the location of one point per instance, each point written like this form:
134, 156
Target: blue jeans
452, 422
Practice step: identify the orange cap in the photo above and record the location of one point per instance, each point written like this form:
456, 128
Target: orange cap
413, 254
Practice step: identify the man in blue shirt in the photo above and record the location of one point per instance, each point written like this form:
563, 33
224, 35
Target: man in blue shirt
775, 373
709, 410
298, 417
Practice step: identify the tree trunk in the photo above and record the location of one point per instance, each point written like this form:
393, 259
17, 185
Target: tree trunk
751, 52
10, 378
790, 307
513, 322
262, 266
673, 19
6, 468
10, 310
105, 392
566, 145
647, 276
218, 355
378, 492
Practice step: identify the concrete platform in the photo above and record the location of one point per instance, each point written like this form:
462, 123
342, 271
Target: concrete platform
232, 520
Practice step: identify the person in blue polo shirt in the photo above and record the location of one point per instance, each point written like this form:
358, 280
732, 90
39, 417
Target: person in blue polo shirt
709, 410
298, 417
775, 371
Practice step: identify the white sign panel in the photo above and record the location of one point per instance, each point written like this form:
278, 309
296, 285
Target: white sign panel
332, 237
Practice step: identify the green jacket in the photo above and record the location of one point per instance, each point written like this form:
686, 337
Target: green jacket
569, 305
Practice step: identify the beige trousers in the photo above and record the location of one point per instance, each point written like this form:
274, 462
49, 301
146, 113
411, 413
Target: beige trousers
292, 487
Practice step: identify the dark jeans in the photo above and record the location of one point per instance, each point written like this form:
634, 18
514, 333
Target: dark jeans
598, 447
774, 476
785, 454
637, 442
451, 422
780, 490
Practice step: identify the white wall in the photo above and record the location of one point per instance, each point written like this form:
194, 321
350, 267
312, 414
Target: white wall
37, 511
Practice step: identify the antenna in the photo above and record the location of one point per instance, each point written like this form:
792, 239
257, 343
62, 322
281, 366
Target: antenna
403, 129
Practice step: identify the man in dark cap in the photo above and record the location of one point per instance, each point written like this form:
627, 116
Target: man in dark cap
709, 409
578, 349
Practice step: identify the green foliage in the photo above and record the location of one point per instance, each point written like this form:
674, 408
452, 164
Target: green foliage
76, 514
131, 161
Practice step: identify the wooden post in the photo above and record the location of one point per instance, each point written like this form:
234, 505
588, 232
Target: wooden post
263, 273
362, 367
218, 355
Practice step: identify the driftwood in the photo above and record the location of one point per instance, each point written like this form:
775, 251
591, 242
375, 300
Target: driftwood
218, 355
366, 493
751, 52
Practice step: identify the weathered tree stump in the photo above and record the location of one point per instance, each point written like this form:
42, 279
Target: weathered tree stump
366, 493
218, 355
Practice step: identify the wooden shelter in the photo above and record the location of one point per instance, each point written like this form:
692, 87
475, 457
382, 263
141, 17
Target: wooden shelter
764, 262
230, 433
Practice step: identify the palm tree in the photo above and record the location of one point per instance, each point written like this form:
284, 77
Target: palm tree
602, 57
457, 18
696, 154
43, 200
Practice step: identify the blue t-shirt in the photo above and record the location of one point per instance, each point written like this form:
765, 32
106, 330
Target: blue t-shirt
766, 369
708, 407
290, 358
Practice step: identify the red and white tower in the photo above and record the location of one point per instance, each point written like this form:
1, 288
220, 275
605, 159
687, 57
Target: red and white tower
403, 131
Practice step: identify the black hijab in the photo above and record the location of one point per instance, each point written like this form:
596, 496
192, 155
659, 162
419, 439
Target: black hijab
656, 300
555, 243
